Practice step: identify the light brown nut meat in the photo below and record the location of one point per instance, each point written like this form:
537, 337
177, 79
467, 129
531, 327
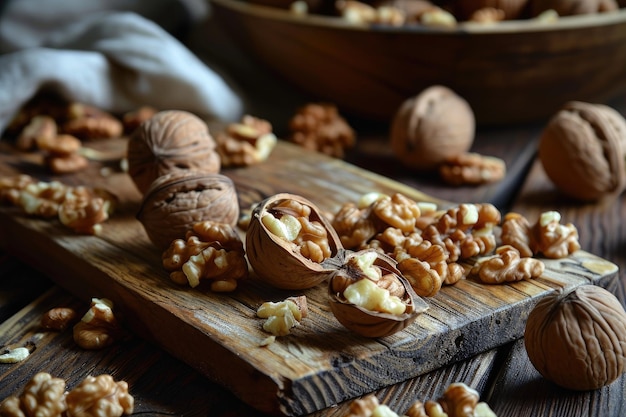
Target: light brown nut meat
510, 9
43, 395
472, 169
99, 327
40, 129
100, 396
89, 122
354, 225
507, 266
67, 164
84, 209
552, 239
573, 7
58, 318
282, 316
320, 127
516, 232
246, 143
397, 211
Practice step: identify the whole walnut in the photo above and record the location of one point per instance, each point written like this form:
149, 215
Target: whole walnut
577, 339
431, 127
582, 150
178, 200
572, 7
171, 140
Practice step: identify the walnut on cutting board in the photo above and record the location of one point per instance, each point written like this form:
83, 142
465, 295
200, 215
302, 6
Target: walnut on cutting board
99, 327
248, 142
280, 317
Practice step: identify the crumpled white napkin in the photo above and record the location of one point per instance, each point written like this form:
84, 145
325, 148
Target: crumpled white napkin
116, 61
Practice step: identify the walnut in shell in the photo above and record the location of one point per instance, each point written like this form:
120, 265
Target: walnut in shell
577, 339
429, 128
369, 296
171, 140
287, 240
178, 200
582, 150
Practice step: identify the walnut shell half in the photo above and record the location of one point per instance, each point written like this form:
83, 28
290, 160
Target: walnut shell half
177, 201
577, 339
287, 240
171, 140
369, 309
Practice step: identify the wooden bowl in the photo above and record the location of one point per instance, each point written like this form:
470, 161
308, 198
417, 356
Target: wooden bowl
512, 72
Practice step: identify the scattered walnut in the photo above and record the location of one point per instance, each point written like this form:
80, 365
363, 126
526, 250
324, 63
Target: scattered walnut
98, 328
40, 129
15, 355
133, 119
89, 122
100, 396
212, 251
363, 407
472, 169
84, 210
58, 318
397, 211
12, 186
282, 316
552, 239
43, 395
507, 266
458, 400
516, 233
357, 12
354, 225
320, 127
245, 143
487, 15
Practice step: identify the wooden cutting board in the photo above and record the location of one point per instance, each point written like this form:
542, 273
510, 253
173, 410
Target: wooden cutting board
320, 363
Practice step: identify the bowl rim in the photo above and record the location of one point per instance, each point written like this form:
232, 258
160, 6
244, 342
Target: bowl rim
463, 28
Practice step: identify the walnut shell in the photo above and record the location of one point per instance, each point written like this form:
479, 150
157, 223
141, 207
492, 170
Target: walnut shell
582, 150
277, 261
431, 127
358, 319
180, 199
171, 140
577, 339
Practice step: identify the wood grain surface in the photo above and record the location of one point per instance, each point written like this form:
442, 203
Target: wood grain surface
320, 363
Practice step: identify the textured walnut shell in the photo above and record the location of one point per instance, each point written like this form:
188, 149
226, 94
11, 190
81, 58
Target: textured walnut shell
274, 260
431, 127
577, 339
171, 140
572, 7
176, 201
358, 319
582, 150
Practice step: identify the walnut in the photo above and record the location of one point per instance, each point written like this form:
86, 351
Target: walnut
572, 7
12, 186
88, 122
354, 225
511, 9
363, 407
66, 164
178, 200
412, 10
282, 316
84, 210
170, 141
552, 239
487, 15
43, 395
458, 400
429, 128
577, 338
320, 127
472, 169
507, 266
100, 396
212, 252
58, 318
133, 119
98, 328
582, 151
42, 199
516, 232
15, 355
438, 17
40, 129
357, 12
245, 143
397, 211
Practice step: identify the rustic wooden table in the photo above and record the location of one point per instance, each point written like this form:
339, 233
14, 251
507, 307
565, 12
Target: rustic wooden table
504, 377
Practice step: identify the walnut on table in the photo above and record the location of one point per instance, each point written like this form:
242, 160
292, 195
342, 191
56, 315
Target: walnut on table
320, 127
507, 266
246, 143
211, 252
472, 169
58, 318
284, 315
99, 327
43, 395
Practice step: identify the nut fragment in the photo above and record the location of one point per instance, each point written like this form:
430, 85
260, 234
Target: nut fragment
178, 200
430, 127
320, 127
100, 396
43, 395
573, 7
472, 169
170, 141
282, 316
15, 355
58, 318
98, 328
507, 266
577, 338
246, 143
582, 151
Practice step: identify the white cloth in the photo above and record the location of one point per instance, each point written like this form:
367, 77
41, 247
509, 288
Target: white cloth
116, 61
